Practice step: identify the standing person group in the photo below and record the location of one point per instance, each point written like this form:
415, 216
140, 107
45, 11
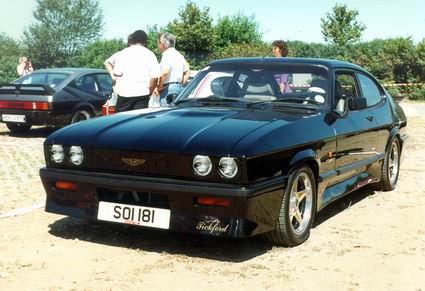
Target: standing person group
138, 75
24, 67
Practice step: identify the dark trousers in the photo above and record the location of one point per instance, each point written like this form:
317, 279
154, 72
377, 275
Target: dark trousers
131, 103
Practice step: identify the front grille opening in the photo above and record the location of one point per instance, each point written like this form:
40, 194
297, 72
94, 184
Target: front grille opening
133, 197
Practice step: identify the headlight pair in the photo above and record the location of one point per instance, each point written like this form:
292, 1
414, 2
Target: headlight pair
227, 167
57, 154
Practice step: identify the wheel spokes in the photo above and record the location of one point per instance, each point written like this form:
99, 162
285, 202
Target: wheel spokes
300, 202
393, 162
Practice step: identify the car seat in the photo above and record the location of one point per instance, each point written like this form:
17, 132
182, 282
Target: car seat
319, 83
57, 81
89, 86
339, 98
259, 85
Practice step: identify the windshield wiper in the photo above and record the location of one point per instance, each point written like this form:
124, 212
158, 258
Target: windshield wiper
177, 102
212, 98
297, 100
218, 98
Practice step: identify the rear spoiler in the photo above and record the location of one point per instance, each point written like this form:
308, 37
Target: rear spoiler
29, 89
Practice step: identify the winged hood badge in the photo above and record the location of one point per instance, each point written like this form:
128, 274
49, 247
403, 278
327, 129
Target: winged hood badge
133, 162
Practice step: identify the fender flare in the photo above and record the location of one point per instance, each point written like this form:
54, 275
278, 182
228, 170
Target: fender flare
307, 156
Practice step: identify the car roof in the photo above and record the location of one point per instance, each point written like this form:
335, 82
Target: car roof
71, 70
302, 61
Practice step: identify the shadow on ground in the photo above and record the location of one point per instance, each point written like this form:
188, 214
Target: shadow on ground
222, 249
119, 235
33, 132
344, 203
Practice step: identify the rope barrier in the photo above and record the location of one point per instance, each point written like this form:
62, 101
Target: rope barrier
403, 84
385, 85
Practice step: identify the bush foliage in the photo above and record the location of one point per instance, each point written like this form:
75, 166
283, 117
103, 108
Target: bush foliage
201, 40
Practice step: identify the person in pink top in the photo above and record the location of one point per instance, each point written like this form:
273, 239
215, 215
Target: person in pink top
279, 50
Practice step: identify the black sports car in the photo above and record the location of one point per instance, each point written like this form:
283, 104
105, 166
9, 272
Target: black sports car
54, 97
251, 146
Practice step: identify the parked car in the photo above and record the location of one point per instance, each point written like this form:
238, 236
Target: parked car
242, 161
55, 97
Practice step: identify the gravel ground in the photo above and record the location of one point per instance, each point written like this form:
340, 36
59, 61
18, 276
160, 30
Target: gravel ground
366, 241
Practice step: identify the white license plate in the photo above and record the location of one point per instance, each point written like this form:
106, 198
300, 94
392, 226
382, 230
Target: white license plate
131, 214
13, 118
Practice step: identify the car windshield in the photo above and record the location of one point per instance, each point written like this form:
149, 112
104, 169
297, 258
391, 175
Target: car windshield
51, 79
304, 85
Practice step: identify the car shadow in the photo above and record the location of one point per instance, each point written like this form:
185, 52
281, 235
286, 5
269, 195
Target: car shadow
35, 132
216, 248
342, 204
133, 237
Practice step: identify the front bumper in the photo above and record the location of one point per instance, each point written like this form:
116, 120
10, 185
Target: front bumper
252, 210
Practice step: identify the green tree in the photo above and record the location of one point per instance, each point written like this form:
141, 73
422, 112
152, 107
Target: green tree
237, 29
399, 56
10, 51
62, 29
241, 50
420, 65
152, 32
371, 56
194, 30
95, 54
309, 50
340, 27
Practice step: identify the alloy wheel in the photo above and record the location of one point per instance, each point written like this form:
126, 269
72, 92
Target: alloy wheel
300, 203
393, 162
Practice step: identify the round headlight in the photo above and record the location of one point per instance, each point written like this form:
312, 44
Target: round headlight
202, 165
228, 167
56, 153
76, 155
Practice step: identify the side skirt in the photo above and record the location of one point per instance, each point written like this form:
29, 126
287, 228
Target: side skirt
341, 189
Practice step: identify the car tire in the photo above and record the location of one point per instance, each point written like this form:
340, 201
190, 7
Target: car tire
81, 115
390, 168
295, 216
18, 127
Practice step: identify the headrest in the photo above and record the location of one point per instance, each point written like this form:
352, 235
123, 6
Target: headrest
319, 83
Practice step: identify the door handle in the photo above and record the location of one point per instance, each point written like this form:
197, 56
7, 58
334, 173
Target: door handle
370, 118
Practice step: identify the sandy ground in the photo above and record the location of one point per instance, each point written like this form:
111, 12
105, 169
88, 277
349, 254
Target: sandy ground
366, 241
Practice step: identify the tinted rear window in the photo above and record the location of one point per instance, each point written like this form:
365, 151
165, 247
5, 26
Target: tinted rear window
51, 79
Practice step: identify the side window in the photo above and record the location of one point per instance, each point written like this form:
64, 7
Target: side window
345, 87
105, 82
87, 84
370, 90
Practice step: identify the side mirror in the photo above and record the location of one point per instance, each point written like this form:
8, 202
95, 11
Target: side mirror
357, 103
170, 98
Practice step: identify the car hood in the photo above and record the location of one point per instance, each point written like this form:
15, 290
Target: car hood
212, 131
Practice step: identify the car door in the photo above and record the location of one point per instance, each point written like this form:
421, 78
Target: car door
92, 91
355, 129
378, 107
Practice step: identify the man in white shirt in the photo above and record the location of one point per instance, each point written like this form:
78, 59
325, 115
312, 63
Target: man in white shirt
173, 65
135, 70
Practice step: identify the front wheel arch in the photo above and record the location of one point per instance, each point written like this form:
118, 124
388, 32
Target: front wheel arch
297, 210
